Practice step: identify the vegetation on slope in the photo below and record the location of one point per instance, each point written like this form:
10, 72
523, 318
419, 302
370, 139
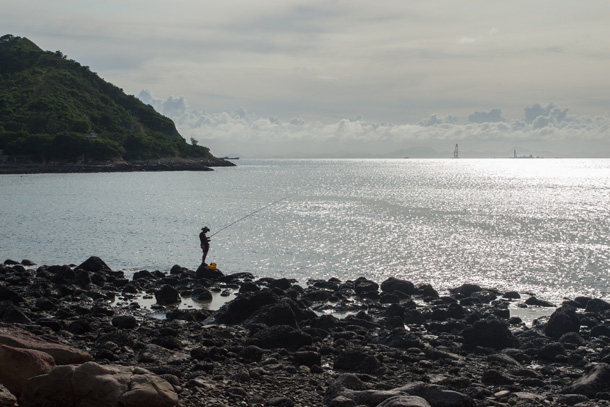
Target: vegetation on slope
53, 108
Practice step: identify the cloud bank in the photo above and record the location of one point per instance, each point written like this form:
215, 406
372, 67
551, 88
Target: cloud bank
544, 129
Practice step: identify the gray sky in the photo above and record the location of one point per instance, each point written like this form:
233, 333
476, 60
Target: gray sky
290, 78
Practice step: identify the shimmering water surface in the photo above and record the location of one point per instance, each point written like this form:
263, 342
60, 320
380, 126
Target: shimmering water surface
531, 225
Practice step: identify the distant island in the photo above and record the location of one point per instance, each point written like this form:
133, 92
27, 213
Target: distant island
58, 116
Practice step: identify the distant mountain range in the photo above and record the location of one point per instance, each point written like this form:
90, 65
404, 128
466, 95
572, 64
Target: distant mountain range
54, 109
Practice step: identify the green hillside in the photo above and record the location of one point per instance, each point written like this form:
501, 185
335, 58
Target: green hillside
53, 108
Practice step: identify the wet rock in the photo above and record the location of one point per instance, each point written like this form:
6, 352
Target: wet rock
201, 294
393, 284
357, 359
281, 283
317, 295
167, 295
484, 296
143, 274
491, 332
600, 330
466, 289
125, 321
79, 327
496, 377
512, 295
11, 313
94, 264
82, 278
563, 320
308, 358
6, 294
597, 380
364, 286
94, 385
428, 291
280, 336
597, 305
538, 303
249, 287
551, 351
250, 354
206, 273
244, 306
152, 353
280, 313
404, 401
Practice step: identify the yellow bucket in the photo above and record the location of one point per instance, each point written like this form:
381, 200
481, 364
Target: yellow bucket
213, 266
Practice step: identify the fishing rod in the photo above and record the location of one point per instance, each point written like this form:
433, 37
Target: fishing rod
250, 214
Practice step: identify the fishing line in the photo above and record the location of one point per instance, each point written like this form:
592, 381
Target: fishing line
250, 214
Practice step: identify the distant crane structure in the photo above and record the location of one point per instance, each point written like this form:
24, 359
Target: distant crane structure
455, 152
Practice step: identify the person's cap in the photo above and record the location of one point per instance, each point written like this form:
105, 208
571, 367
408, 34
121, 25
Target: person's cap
205, 229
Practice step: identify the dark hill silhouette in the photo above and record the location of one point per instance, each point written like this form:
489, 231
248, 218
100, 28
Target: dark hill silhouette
54, 109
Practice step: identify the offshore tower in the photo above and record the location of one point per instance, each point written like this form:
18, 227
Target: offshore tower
455, 152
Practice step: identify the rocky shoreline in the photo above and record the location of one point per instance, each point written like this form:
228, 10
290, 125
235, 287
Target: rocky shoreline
279, 343
166, 164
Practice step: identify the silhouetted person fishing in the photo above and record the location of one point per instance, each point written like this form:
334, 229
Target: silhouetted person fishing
205, 243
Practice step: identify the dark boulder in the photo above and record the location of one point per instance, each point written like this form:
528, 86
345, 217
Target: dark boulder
281, 283
466, 289
11, 313
596, 381
93, 264
511, 295
242, 307
205, 272
538, 303
280, 336
596, 306
249, 287
551, 351
428, 291
389, 299
62, 274
363, 286
167, 295
317, 295
125, 322
600, 330
6, 294
201, 294
308, 358
563, 320
79, 327
280, 313
357, 359
250, 354
491, 332
143, 274
393, 284
82, 278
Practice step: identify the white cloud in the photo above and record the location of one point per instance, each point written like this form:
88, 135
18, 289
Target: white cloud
543, 128
494, 115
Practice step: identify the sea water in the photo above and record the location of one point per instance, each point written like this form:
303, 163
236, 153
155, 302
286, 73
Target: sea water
530, 225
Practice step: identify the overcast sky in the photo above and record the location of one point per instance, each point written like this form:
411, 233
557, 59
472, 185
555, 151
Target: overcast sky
309, 78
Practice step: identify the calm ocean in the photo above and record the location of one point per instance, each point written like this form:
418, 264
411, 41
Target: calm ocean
531, 225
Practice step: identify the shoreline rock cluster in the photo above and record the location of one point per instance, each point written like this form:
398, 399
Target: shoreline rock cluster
277, 343
166, 164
